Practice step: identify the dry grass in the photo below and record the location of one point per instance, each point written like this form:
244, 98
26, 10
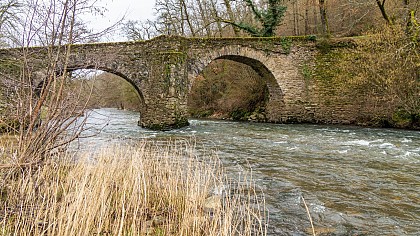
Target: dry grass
146, 190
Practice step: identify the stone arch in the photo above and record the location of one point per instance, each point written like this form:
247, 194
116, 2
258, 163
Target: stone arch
115, 72
251, 57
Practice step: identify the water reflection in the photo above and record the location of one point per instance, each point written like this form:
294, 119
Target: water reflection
356, 181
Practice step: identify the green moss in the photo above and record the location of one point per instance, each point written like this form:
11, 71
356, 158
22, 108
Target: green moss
328, 67
172, 53
404, 119
307, 71
311, 38
325, 45
201, 113
11, 66
179, 123
286, 44
240, 114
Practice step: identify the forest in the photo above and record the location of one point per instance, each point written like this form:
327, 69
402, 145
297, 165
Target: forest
216, 18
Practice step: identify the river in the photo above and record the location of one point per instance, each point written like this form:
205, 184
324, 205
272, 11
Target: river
355, 180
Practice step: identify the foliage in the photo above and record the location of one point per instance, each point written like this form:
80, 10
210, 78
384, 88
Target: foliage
221, 92
384, 68
138, 30
414, 28
269, 18
286, 44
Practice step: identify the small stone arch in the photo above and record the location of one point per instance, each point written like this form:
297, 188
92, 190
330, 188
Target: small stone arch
253, 58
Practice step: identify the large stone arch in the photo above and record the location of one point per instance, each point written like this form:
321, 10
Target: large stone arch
111, 71
248, 56
73, 67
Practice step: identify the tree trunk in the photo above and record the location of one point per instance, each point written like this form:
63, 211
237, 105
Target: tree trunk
182, 19
294, 18
315, 15
381, 6
187, 17
407, 14
324, 20
298, 16
217, 18
307, 17
204, 19
231, 17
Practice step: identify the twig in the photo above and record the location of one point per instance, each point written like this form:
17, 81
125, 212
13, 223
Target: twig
309, 215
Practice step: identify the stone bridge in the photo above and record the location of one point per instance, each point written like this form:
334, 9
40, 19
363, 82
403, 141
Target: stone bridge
163, 70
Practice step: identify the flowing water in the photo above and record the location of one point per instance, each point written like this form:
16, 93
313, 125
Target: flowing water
356, 181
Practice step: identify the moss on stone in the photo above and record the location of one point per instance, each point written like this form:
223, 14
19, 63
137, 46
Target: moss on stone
179, 123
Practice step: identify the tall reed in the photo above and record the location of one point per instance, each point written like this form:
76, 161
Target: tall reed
121, 190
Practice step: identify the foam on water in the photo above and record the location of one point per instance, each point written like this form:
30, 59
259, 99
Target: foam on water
357, 143
317, 208
406, 140
386, 145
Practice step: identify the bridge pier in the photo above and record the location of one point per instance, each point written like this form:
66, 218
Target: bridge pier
166, 92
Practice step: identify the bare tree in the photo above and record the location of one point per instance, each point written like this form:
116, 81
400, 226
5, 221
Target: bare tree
204, 17
48, 114
216, 17
185, 16
231, 16
169, 17
139, 30
8, 21
307, 30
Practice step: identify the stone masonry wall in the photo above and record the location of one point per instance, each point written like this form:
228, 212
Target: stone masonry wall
163, 71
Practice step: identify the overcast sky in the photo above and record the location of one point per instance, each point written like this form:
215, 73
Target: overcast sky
116, 9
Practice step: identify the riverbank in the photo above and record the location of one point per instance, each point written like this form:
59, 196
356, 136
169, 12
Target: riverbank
142, 190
